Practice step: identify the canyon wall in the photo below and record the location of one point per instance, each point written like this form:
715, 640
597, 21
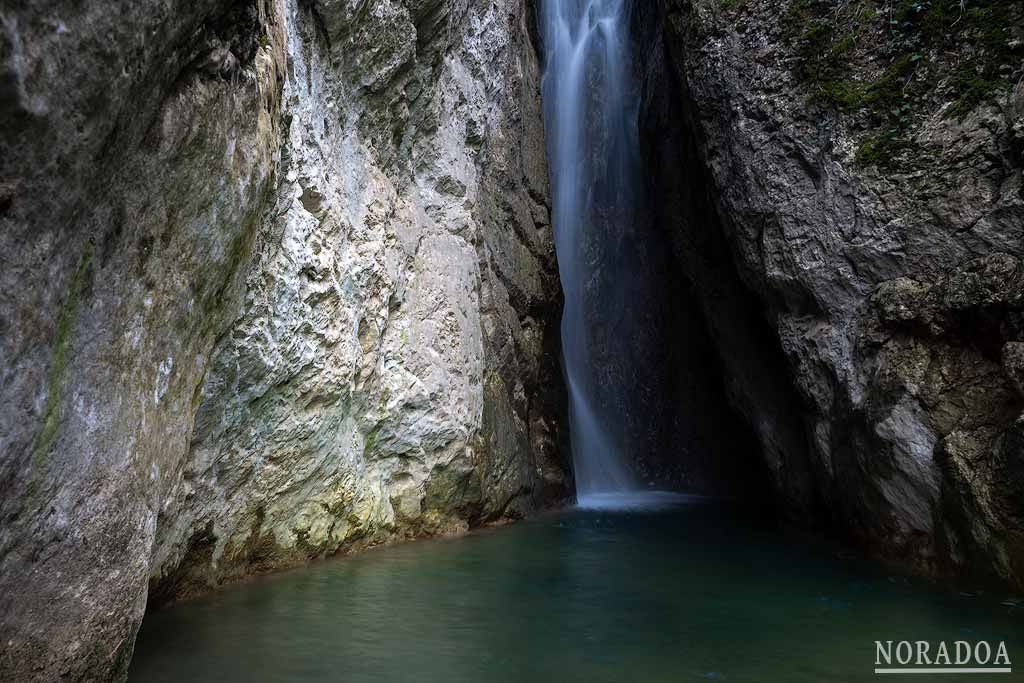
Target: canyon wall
845, 197
278, 282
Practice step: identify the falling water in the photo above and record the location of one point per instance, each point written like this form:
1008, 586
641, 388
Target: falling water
590, 116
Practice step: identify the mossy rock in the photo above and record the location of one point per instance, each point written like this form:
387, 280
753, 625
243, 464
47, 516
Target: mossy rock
936, 54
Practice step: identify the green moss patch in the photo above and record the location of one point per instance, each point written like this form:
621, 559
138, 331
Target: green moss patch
890, 64
59, 361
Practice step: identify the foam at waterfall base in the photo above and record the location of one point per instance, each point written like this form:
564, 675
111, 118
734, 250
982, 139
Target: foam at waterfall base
636, 500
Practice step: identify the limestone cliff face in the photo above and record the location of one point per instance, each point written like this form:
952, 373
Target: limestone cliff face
384, 376
278, 281
848, 205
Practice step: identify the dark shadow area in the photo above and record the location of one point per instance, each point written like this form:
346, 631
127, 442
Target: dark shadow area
713, 391
665, 298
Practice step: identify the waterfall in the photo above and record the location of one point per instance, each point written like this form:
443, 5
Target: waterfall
590, 113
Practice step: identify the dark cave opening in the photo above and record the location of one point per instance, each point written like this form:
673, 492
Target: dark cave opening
690, 368
715, 397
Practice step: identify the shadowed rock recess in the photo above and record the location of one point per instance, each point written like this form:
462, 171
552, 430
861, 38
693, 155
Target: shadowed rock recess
278, 281
856, 243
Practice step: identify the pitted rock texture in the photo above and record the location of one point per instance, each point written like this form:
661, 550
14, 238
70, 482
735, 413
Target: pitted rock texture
386, 376
278, 281
880, 305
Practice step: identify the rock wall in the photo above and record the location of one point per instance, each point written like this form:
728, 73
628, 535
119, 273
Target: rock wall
849, 208
278, 281
386, 375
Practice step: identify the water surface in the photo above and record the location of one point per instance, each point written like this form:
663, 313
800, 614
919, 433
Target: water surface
684, 592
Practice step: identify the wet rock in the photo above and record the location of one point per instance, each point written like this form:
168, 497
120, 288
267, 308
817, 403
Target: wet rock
891, 284
262, 299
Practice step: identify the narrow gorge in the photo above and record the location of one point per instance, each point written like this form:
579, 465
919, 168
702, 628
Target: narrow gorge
290, 279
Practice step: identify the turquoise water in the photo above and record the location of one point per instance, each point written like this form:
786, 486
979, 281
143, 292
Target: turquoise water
687, 593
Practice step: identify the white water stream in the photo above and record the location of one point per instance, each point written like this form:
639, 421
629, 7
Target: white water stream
592, 138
